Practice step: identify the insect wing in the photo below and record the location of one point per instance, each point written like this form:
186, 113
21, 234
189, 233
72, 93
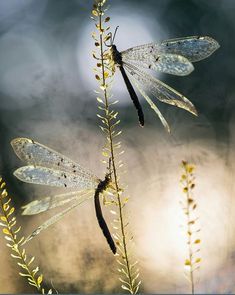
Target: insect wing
50, 222
166, 63
153, 106
34, 153
193, 48
160, 90
51, 177
51, 202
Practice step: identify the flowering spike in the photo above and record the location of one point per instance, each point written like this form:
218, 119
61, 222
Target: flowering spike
189, 205
11, 234
109, 117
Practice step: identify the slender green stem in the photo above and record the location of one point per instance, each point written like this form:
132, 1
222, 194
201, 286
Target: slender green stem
189, 234
113, 159
16, 247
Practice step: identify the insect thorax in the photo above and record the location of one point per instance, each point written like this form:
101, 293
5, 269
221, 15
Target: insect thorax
116, 56
103, 184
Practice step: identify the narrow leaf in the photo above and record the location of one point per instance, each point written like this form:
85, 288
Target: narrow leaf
39, 279
6, 231
24, 274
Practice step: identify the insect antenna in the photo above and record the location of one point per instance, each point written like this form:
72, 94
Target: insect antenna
112, 37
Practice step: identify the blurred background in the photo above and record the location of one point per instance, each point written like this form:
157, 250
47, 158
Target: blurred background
46, 93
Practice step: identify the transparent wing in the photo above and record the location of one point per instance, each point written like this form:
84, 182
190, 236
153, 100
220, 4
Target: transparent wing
152, 105
34, 153
193, 48
51, 202
51, 177
166, 63
52, 221
160, 90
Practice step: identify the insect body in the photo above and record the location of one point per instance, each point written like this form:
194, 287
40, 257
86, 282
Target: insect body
47, 167
174, 56
117, 58
102, 186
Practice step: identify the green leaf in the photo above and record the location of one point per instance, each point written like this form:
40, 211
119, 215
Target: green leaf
31, 260
35, 270
23, 252
94, 12
39, 279
15, 256
11, 211
3, 218
100, 101
134, 279
187, 262
137, 287
32, 284
133, 264
8, 238
21, 240
12, 223
197, 241
185, 189
31, 279
121, 263
24, 274
4, 194
124, 272
6, 232
125, 288
3, 184
6, 207
18, 229
105, 154
22, 265
15, 248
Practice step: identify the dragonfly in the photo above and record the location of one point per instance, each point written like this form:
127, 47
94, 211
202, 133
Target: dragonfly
48, 167
173, 56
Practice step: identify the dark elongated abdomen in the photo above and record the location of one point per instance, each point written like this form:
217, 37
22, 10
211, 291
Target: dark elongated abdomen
102, 223
133, 96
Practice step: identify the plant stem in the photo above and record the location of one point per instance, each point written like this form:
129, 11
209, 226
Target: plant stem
189, 234
16, 247
113, 160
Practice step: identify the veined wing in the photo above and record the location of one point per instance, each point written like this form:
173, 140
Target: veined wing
79, 200
52, 177
152, 105
34, 153
160, 90
51, 202
50, 222
162, 62
193, 48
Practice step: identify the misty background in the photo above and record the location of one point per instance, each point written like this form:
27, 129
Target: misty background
46, 93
